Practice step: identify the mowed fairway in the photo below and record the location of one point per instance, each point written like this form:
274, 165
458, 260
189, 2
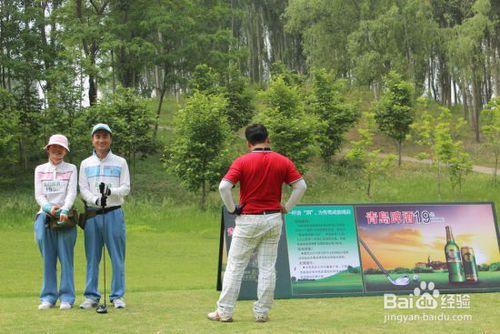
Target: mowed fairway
171, 286
171, 268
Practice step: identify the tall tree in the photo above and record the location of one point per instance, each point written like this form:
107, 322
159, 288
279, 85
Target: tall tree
85, 31
491, 130
336, 115
198, 155
394, 112
466, 51
292, 131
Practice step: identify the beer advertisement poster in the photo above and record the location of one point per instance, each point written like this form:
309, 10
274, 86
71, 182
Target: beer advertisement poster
453, 245
347, 250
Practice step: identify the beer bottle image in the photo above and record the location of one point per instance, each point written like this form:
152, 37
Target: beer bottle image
469, 262
453, 259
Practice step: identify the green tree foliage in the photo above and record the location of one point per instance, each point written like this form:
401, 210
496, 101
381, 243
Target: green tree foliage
130, 121
9, 129
85, 31
440, 133
373, 165
291, 77
324, 26
184, 34
491, 130
292, 132
336, 115
466, 54
230, 84
394, 112
398, 36
364, 40
198, 154
22, 69
64, 113
206, 80
240, 107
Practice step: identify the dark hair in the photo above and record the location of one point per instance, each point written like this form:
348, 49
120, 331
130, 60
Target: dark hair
256, 133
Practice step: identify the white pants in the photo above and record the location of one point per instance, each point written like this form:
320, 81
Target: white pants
261, 232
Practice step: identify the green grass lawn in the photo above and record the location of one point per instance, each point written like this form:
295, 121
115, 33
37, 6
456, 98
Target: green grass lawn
171, 286
171, 263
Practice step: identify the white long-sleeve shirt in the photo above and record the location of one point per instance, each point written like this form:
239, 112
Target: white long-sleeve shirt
56, 184
112, 170
299, 188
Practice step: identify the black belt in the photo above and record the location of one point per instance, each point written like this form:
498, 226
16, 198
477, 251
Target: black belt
106, 210
262, 212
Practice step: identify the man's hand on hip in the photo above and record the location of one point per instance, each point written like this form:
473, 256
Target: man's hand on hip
237, 210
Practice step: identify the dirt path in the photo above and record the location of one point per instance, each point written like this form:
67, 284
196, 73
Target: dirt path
477, 169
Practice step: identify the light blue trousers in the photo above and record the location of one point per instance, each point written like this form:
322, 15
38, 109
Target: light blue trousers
108, 228
55, 245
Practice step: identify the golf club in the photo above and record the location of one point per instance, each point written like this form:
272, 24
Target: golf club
400, 281
103, 308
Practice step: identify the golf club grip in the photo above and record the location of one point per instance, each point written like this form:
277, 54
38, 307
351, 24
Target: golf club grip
373, 256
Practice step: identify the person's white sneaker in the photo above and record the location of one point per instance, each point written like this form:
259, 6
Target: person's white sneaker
88, 304
216, 316
119, 303
261, 317
65, 306
45, 306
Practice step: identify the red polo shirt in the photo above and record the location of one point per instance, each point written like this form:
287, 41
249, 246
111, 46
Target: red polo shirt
261, 174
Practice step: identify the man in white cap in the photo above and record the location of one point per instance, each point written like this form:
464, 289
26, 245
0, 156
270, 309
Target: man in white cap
55, 192
111, 170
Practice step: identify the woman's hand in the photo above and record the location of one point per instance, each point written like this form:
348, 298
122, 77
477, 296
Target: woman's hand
63, 217
53, 210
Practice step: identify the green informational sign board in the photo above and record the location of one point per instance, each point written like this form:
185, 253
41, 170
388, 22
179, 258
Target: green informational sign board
347, 250
323, 251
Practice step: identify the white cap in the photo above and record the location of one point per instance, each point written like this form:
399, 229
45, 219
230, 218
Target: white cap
100, 126
60, 140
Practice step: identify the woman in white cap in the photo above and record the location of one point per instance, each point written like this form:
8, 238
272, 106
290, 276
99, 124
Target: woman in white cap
55, 192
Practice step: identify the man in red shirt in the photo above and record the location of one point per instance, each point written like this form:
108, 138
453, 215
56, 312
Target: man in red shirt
258, 223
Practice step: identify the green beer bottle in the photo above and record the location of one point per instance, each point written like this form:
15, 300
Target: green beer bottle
453, 259
470, 266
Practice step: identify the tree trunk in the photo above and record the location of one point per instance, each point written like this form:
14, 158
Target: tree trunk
203, 199
134, 169
399, 144
496, 66
429, 77
444, 81
158, 111
465, 99
368, 188
23, 157
456, 97
113, 71
477, 101
439, 178
487, 68
433, 85
496, 169
92, 90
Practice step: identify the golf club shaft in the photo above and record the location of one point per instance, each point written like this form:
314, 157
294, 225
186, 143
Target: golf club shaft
373, 257
104, 262
102, 191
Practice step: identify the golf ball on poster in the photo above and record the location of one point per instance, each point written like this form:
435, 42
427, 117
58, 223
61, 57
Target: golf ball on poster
416, 278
